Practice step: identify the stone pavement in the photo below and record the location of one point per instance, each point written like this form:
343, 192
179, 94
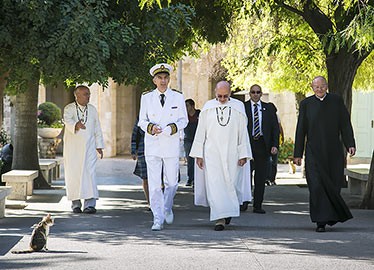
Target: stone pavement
119, 235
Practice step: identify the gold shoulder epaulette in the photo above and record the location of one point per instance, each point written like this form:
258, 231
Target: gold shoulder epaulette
180, 92
146, 92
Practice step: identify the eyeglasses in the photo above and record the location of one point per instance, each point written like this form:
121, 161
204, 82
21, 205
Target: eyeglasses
319, 87
222, 96
255, 92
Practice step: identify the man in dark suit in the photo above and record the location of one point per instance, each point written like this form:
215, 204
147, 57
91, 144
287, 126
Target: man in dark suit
263, 130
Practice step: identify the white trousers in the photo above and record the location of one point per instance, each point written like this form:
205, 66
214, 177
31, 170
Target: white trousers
162, 202
87, 203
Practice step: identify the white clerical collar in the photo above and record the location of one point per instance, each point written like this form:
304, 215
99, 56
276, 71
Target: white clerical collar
322, 98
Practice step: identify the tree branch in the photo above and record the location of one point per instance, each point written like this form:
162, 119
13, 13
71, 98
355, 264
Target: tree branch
307, 42
292, 9
317, 20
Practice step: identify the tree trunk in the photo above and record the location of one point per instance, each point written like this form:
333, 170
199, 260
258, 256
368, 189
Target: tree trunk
25, 153
3, 83
298, 98
368, 201
342, 68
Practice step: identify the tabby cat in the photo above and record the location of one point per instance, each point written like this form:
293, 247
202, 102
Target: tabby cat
39, 236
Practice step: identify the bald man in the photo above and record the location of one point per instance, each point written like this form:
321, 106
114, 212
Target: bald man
324, 121
82, 139
221, 147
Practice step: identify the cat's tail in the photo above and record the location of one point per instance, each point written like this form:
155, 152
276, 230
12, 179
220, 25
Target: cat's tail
23, 251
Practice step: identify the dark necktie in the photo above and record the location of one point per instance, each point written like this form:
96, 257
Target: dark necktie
162, 100
256, 122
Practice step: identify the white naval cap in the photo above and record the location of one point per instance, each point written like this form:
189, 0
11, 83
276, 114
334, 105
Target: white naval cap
160, 68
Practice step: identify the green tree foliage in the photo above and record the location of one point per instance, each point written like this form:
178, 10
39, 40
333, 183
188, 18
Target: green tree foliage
80, 41
272, 53
211, 20
298, 39
88, 41
364, 79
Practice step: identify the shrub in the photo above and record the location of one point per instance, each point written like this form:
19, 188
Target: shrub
286, 150
4, 138
49, 115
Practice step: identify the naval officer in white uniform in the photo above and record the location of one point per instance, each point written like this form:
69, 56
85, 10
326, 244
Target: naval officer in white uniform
162, 115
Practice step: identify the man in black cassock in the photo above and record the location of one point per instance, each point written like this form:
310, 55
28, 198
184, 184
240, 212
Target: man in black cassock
325, 122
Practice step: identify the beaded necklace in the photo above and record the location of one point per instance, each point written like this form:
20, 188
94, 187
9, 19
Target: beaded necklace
220, 118
83, 112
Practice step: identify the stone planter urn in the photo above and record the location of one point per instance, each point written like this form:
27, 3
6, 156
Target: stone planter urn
49, 133
48, 142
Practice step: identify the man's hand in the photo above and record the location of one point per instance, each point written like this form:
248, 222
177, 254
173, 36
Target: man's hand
156, 129
79, 125
242, 161
100, 151
133, 157
274, 150
297, 161
352, 151
166, 131
200, 163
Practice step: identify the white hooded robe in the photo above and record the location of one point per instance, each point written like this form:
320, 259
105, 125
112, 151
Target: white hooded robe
221, 143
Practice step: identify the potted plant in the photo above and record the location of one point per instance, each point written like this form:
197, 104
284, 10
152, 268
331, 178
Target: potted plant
286, 151
49, 120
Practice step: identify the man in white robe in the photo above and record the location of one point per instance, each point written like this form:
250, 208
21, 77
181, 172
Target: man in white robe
82, 139
221, 148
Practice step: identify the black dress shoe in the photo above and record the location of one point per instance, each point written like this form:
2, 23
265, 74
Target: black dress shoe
259, 211
189, 183
227, 220
244, 206
320, 228
89, 210
219, 227
77, 210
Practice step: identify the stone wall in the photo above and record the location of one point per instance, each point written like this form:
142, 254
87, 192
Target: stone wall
286, 105
128, 99
104, 99
198, 76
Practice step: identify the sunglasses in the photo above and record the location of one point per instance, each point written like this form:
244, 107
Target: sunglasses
222, 96
255, 92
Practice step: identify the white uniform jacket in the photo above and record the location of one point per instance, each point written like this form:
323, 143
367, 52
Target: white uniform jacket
172, 116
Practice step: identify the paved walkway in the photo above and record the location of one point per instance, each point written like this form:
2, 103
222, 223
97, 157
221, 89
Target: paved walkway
119, 235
